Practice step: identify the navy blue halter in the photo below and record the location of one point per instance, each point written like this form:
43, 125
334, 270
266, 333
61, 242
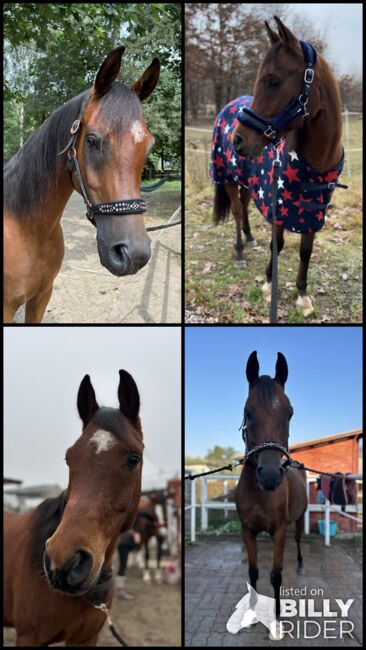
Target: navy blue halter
297, 106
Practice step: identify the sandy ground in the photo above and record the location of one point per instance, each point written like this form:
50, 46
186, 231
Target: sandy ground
85, 292
152, 619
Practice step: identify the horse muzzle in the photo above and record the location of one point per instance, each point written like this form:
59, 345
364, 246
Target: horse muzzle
73, 577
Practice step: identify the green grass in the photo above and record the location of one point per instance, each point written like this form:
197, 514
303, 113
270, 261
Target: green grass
170, 186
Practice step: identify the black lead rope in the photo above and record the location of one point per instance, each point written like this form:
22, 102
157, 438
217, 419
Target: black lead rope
103, 607
276, 173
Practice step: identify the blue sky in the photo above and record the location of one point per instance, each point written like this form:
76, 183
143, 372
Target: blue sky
324, 382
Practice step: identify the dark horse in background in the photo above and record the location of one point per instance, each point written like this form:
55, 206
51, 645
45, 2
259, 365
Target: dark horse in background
315, 136
151, 524
58, 557
109, 143
269, 496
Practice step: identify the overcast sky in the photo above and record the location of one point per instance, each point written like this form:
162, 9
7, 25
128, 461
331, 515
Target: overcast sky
43, 370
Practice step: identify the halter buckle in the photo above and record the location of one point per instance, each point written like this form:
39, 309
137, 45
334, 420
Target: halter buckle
75, 126
269, 132
309, 76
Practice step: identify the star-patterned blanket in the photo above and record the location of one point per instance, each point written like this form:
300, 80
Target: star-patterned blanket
300, 208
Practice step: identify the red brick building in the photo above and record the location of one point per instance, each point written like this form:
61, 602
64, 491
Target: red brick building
338, 453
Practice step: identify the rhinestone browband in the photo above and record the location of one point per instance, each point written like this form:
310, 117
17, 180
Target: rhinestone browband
129, 206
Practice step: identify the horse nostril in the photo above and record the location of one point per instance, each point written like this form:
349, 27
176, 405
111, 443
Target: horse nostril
238, 142
78, 568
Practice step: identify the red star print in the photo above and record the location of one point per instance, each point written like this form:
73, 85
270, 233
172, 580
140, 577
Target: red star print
291, 174
284, 211
331, 176
218, 162
270, 154
287, 196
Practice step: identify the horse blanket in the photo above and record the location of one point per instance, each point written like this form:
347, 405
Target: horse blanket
303, 193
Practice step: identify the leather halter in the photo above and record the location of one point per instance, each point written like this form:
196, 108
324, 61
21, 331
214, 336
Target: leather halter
123, 207
297, 106
262, 446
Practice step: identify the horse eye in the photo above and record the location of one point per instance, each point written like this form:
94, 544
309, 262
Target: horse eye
273, 83
133, 460
92, 141
248, 414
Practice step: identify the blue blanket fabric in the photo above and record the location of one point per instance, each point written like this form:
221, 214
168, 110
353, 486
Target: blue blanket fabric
299, 209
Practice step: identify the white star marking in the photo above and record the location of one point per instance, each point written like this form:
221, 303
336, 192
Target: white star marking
262, 172
293, 155
227, 129
103, 440
280, 183
233, 160
260, 193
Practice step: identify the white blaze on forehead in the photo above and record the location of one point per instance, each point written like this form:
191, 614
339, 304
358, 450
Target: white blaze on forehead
138, 131
103, 440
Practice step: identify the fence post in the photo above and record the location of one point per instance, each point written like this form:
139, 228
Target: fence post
226, 512
193, 511
327, 522
307, 513
204, 511
346, 124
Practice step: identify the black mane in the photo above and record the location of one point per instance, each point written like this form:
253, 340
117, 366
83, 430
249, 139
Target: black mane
31, 174
46, 518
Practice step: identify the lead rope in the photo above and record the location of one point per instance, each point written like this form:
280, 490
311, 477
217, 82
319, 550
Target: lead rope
103, 608
275, 177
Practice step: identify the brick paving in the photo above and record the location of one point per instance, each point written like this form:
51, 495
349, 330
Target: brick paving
216, 571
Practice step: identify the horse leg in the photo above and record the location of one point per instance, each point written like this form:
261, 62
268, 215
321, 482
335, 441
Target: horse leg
279, 539
303, 302
146, 575
267, 287
158, 576
237, 210
298, 531
91, 642
8, 314
36, 307
250, 542
245, 198
28, 641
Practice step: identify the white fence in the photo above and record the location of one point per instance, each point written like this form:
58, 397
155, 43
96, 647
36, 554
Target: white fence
206, 505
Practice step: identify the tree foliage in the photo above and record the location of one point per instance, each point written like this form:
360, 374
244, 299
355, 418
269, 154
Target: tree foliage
53, 52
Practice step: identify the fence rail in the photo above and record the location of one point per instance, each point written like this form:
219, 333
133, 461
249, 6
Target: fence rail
207, 505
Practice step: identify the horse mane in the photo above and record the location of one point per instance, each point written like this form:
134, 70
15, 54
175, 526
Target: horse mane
31, 174
45, 520
266, 387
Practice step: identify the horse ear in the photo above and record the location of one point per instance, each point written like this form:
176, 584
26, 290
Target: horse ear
128, 395
252, 368
146, 84
285, 34
108, 71
87, 404
281, 369
273, 37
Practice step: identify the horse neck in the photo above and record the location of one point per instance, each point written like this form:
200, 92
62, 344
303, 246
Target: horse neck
319, 141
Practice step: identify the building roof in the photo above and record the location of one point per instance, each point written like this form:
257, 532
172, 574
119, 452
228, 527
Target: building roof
6, 481
316, 442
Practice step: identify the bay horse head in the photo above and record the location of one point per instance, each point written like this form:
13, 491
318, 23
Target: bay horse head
111, 144
279, 85
104, 488
267, 414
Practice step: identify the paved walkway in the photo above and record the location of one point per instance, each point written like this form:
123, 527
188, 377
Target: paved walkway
216, 571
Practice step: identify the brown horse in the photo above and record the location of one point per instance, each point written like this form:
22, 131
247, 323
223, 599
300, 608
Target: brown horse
149, 526
58, 557
103, 160
269, 496
315, 135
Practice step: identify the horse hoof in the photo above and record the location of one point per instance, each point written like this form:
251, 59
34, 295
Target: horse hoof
304, 305
239, 264
266, 291
301, 571
251, 244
